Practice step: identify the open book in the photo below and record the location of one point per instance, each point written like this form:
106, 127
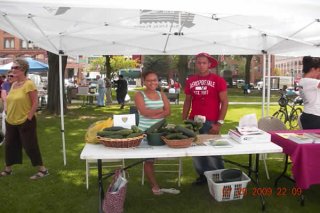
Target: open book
220, 143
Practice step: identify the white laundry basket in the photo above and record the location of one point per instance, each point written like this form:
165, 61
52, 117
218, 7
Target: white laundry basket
226, 191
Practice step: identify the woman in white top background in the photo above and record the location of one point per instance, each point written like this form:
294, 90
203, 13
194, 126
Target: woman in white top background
310, 93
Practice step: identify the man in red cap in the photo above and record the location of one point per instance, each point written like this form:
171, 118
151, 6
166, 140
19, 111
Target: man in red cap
206, 96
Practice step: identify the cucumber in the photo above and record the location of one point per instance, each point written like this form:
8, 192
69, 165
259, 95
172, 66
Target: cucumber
185, 131
105, 133
135, 129
113, 128
155, 127
115, 136
135, 134
173, 135
123, 132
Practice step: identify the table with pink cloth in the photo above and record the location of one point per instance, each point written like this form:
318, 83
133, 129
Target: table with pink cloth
305, 157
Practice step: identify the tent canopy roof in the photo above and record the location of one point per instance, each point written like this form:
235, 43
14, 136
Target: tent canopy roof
109, 28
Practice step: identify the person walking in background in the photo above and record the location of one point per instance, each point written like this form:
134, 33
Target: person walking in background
108, 91
5, 88
21, 124
177, 86
101, 91
122, 90
153, 106
310, 93
206, 96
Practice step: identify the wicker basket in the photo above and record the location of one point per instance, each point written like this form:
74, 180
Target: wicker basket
178, 143
121, 143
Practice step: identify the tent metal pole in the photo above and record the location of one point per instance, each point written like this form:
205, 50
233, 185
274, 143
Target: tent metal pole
41, 31
61, 110
269, 88
14, 27
264, 85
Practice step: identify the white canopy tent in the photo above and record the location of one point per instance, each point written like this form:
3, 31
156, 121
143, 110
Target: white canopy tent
99, 27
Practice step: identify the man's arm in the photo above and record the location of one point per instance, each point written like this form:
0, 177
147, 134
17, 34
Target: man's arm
223, 111
224, 105
186, 107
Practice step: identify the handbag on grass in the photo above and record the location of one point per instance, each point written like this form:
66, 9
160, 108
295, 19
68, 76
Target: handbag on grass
116, 194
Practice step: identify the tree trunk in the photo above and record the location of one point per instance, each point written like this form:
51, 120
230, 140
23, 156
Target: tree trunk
108, 66
247, 68
183, 69
53, 83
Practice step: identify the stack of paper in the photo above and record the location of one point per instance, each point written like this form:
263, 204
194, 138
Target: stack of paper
249, 135
249, 130
314, 136
302, 137
220, 143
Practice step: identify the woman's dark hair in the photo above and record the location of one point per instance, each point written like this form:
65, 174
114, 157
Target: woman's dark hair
146, 73
309, 62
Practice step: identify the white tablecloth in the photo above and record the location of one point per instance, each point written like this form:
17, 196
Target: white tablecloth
99, 151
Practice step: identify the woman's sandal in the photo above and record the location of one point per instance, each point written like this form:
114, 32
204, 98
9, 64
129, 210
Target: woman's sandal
170, 191
5, 173
40, 174
156, 191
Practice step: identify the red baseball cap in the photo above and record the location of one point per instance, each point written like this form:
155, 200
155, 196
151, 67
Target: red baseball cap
213, 62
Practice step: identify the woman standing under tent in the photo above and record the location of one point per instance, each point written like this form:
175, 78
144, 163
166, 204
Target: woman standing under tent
153, 106
5, 88
310, 93
21, 124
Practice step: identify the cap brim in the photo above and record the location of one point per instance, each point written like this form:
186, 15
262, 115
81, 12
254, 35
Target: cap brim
213, 62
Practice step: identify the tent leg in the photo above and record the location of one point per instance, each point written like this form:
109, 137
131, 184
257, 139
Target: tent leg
61, 110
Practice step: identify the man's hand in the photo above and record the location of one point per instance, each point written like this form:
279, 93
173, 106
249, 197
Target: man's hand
215, 129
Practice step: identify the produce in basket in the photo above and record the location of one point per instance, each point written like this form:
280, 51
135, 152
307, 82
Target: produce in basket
121, 137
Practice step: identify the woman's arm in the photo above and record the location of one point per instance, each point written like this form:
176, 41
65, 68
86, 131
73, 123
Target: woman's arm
166, 108
149, 113
33, 95
4, 99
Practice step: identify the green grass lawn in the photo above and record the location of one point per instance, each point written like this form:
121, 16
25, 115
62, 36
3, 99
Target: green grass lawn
64, 189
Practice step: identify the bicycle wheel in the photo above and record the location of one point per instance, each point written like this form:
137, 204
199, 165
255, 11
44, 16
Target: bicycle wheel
293, 118
283, 117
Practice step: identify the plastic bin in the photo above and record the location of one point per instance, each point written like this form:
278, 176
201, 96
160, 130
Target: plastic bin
226, 191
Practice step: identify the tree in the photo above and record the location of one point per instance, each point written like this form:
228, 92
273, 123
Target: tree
120, 62
183, 68
161, 64
53, 83
247, 68
111, 64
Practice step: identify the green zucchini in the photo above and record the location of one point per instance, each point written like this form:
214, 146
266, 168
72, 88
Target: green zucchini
185, 131
173, 135
115, 136
113, 128
124, 132
135, 129
155, 127
135, 134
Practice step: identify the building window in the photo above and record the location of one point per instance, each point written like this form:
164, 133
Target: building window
27, 45
9, 43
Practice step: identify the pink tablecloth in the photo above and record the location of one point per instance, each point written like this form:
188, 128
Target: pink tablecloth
305, 158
